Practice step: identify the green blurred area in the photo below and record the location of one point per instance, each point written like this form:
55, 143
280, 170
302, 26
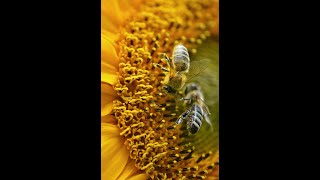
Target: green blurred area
206, 139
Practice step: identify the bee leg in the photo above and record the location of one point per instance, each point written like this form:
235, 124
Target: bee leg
164, 56
162, 68
186, 99
183, 116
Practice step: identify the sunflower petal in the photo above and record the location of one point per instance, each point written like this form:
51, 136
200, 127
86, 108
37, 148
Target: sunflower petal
108, 51
108, 74
113, 37
108, 89
106, 104
114, 155
135, 3
109, 131
138, 177
109, 119
129, 170
111, 17
109, 78
109, 60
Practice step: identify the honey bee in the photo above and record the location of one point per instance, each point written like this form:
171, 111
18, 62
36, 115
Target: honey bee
196, 111
181, 70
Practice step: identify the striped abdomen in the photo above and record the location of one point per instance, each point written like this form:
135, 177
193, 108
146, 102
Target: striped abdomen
181, 58
195, 119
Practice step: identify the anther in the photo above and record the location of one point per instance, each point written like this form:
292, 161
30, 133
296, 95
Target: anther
194, 169
192, 176
173, 148
183, 143
188, 157
153, 50
200, 158
185, 169
174, 155
178, 159
186, 151
203, 172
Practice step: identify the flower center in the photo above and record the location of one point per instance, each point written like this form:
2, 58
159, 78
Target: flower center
145, 114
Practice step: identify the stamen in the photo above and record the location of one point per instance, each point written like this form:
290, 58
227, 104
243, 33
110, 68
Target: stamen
146, 114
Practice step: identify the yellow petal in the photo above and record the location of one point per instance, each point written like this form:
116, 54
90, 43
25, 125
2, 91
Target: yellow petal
109, 62
110, 130
108, 95
129, 170
108, 74
113, 37
114, 154
139, 177
108, 52
134, 4
108, 89
109, 119
111, 17
115, 12
106, 104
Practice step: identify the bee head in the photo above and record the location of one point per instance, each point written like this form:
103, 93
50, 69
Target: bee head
191, 87
169, 89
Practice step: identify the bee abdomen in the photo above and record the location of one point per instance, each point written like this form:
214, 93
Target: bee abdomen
196, 117
193, 128
181, 58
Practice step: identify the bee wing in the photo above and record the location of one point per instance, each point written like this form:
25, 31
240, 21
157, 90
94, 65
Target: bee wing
206, 112
196, 67
205, 107
208, 121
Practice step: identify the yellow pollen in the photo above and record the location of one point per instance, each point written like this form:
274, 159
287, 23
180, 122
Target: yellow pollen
144, 113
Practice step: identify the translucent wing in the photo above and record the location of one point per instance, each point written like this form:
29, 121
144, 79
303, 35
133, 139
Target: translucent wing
206, 113
205, 107
196, 67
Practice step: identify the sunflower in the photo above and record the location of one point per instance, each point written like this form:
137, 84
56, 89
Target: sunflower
138, 137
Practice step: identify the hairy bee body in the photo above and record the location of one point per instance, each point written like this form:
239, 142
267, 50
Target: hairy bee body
197, 110
192, 91
179, 67
195, 119
181, 59
176, 82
